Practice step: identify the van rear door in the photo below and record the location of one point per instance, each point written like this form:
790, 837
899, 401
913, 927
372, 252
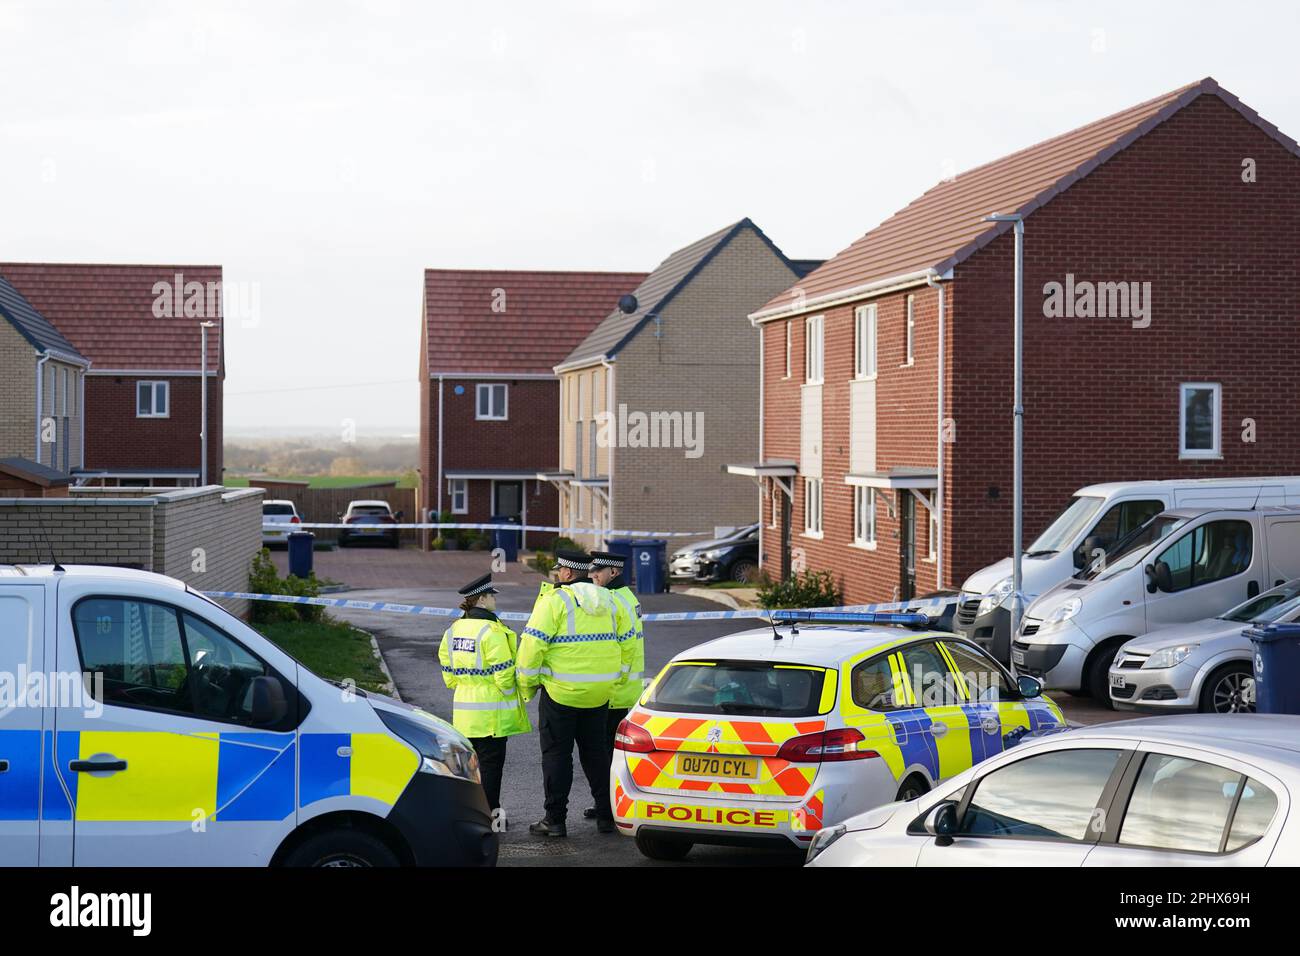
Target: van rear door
1282, 533
22, 660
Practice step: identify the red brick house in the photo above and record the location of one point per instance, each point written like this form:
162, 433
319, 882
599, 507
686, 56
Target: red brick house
1160, 296
489, 398
139, 325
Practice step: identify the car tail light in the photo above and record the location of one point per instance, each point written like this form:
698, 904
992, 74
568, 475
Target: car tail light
633, 738
826, 747
295, 520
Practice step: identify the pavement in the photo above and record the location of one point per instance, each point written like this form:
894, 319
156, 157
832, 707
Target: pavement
409, 645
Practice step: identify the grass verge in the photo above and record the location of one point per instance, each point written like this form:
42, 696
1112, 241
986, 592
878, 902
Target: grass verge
334, 650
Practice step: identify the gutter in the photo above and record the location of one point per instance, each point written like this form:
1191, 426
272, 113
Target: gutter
894, 283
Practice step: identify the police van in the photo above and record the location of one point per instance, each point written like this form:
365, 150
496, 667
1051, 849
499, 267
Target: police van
763, 737
143, 724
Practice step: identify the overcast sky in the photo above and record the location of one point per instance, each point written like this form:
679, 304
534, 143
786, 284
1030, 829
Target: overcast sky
325, 153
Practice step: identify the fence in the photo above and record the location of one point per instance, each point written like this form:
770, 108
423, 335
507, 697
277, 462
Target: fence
325, 505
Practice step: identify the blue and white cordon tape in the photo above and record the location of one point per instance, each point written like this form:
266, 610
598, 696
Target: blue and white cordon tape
418, 526
931, 608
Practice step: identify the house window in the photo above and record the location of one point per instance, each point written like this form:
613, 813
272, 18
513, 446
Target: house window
813, 351
776, 506
459, 488
151, 400
577, 449
70, 394
934, 529
864, 516
864, 355
1199, 416
812, 506
582, 502
593, 468
491, 405
911, 328
789, 326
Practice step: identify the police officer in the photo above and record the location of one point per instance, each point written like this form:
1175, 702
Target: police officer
577, 649
607, 571
477, 654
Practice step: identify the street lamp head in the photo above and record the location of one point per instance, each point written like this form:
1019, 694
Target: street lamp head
209, 324
1004, 217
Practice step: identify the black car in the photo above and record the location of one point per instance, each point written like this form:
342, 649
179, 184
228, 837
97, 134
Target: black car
729, 560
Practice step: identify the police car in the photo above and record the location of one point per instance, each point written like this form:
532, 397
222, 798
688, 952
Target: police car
763, 737
143, 724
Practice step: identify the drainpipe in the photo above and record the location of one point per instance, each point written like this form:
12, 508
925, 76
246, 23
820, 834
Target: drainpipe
938, 491
40, 397
612, 437
761, 517
439, 444
81, 416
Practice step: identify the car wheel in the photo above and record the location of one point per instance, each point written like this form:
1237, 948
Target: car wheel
1096, 676
1229, 690
913, 787
342, 848
663, 848
744, 570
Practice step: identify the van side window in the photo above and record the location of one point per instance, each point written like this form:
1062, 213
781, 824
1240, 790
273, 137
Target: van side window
1114, 524
157, 657
1212, 552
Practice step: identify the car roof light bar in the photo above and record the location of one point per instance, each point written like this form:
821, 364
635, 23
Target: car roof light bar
850, 617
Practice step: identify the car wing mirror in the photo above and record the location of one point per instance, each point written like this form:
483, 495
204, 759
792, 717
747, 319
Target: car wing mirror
269, 705
1029, 687
941, 822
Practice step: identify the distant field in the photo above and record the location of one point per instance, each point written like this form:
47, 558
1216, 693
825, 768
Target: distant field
326, 481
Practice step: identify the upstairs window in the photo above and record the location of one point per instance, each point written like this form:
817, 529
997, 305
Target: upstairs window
491, 406
152, 400
813, 353
911, 329
864, 341
1199, 416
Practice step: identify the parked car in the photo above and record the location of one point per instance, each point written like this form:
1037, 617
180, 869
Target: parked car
685, 562
278, 512
1206, 666
1188, 790
1181, 566
762, 737
736, 560
1095, 519
368, 521
197, 716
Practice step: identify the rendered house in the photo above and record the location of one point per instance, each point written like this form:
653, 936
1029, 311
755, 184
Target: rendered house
142, 394
1159, 298
656, 400
41, 389
488, 394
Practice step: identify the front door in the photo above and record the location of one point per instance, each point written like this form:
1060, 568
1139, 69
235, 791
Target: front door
508, 498
22, 654
906, 545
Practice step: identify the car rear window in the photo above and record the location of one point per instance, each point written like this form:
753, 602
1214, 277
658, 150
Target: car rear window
277, 509
371, 510
751, 688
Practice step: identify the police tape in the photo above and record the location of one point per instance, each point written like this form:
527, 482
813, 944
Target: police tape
377, 528
933, 607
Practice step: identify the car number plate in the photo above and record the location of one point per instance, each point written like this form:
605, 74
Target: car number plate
1018, 658
1117, 681
717, 765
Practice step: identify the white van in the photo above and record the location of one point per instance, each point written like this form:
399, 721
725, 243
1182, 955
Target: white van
1183, 565
143, 724
1096, 517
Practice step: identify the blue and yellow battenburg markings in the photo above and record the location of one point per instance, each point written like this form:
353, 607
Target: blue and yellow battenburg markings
225, 776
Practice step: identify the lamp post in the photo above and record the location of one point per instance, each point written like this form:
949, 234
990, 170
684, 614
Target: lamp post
1018, 418
203, 403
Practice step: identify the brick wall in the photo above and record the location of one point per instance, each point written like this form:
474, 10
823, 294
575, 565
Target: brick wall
155, 529
117, 439
1101, 397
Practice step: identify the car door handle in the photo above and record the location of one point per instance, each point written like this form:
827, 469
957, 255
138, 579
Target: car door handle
97, 765
4, 766
938, 730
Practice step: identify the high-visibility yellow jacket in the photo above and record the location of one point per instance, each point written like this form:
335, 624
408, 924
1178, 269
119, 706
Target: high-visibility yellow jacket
578, 645
478, 662
630, 693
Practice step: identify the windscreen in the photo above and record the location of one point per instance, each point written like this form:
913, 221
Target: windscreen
750, 688
277, 509
1127, 551
1267, 608
1067, 526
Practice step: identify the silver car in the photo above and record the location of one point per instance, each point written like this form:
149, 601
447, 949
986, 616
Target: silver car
1185, 790
1204, 666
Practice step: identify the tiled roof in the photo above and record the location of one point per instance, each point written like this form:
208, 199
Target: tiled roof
509, 321
945, 225
659, 288
31, 325
107, 312
32, 471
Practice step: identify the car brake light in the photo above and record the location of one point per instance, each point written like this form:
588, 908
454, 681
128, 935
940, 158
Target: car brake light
295, 520
825, 747
633, 738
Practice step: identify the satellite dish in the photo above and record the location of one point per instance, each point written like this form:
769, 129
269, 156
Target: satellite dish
627, 303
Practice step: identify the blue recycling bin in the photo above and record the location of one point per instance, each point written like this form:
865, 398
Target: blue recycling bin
300, 553
1277, 667
622, 547
507, 539
649, 561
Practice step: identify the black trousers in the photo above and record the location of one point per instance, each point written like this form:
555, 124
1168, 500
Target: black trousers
491, 762
560, 728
